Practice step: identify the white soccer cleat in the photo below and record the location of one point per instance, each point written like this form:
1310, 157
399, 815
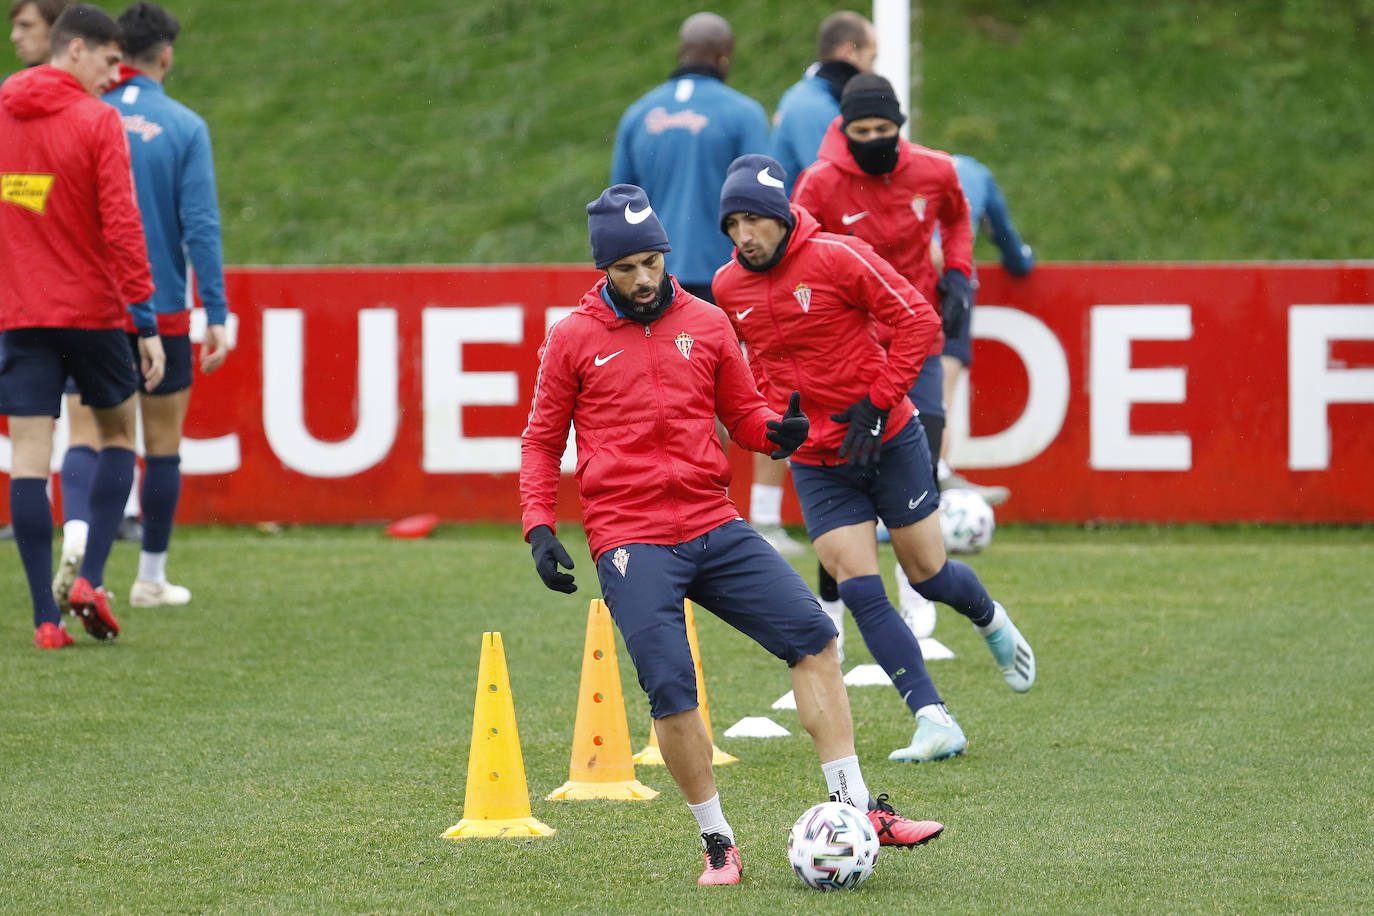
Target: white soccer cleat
1013, 654
917, 611
934, 740
781, 541
158, 594
68, 568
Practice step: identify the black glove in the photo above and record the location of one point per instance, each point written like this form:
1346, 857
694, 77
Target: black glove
790, 432
956, 296
864, 438
549, 554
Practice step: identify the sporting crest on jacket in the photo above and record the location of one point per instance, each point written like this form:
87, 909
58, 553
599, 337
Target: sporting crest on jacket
803, 296
918, 206
621, 559
684, 344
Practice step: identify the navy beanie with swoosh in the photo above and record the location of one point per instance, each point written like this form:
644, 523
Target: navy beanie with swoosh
621, 222
754, 184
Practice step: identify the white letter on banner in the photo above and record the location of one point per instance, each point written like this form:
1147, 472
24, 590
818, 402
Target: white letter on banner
219, 455
283, 395
569, 463
1314, 384
1114, 386
448, 389
1047, 403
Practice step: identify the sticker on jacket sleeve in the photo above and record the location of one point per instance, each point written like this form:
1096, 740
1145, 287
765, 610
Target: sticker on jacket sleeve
621, 559
918, 206
803, 296
684, 343
26, 190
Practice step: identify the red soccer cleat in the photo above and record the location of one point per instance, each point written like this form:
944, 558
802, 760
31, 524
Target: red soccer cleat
92, 605
51, 636
895, 830
722, 860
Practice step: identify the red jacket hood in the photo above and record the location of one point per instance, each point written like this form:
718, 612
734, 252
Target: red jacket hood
40, 91
835, 150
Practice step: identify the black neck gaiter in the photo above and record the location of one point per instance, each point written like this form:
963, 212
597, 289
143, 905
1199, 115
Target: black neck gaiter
628, 308
876, 157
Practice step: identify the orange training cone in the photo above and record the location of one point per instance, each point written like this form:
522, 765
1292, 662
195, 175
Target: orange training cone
601, 764
497, 802
651, 755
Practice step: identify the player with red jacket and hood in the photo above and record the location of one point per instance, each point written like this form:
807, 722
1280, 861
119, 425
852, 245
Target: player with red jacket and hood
72, 260
642, 369
806, 305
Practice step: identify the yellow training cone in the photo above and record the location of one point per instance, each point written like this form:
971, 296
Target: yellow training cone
651, 755
601, 764
497, 802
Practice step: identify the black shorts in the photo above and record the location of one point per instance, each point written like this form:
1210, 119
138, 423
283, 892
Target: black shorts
35, 364
179, 364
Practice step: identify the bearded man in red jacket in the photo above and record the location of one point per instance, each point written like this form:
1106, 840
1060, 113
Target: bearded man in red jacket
72, 265
807, 305
642, 369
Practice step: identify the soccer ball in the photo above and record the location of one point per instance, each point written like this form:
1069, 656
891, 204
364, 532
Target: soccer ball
966, 520
833, 846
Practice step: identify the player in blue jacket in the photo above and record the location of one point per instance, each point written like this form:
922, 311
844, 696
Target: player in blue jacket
174, 176
848, 45
987, 210
677, 141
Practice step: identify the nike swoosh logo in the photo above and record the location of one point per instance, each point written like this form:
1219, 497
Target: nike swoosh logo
603, 360
740, 316
850, 219
768, 181
913, 503
877, 429
633, 218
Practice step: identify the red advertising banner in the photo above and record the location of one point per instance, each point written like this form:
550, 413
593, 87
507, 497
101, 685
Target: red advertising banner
1132, 392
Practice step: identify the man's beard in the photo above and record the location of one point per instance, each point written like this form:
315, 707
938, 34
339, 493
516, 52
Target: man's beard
630, 307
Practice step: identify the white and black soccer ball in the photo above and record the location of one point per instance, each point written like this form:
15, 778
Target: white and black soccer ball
966, 520
833, 846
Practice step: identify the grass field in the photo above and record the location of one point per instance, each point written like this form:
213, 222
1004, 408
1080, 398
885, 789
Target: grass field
1199, 739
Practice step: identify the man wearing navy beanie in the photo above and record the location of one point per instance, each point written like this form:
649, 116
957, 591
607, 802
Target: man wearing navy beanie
806, 302
642, 369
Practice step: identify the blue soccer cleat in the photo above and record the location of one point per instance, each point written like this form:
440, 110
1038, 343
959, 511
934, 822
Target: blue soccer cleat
934, 740
1012, 654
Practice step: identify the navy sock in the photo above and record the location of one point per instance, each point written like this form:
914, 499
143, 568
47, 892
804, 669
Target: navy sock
957, 585
890, 640
161, 490
78, 468
826, 585
114, 474
31, 516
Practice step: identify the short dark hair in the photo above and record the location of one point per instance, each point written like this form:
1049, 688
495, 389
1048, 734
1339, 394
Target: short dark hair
48, 9
147, 27
82, 20
839, 29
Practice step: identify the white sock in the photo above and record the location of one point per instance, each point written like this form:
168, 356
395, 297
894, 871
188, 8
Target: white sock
937, 713
999, 620
765, 504
711, 819
74, 536
133, 506
845, 782
944, 470
835, 611
152, 567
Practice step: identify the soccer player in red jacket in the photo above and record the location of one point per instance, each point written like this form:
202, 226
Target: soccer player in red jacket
72, 260
642, 369
807, 305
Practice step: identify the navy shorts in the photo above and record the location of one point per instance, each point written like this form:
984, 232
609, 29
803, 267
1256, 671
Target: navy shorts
35, 364
901, 490
179, 364
960, 344
730, 571
928, 391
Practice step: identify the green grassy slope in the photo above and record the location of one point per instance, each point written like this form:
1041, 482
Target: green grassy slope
359, 132
296, 740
